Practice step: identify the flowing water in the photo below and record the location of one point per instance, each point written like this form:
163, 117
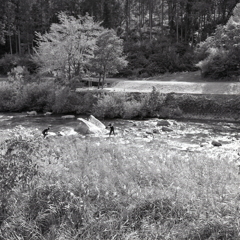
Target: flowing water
190, 132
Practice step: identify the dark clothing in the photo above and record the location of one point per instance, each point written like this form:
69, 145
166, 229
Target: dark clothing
45, 132
111, 129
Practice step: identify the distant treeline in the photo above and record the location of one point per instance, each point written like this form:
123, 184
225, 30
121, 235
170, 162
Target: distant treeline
159, 35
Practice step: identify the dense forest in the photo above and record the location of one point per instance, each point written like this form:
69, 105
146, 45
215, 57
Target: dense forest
159, 35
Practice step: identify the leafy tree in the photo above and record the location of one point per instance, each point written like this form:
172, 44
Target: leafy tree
108, 56
220, 52
68, 47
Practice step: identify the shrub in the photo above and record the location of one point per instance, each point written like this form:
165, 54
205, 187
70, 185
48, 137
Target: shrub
17, 169
38, 97
132, 109
153, 103
8, 62
8, 98
86, 101
109, 106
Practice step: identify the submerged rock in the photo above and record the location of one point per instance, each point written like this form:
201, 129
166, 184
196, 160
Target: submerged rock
216, 143
68, 116
32, 113
163, 123
47, 113
166, 129
156, 130
67, 131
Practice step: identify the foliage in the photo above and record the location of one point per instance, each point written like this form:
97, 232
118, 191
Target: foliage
149, 59
8, 62
108, 55
17, 169
8, 98
219, 54
154, 103
109, 106
136, 22
37, 97
88, 189
68, 47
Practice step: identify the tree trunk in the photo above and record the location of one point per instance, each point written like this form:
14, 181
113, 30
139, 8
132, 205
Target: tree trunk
150, 18
19, 42
103, 79
162, 16
10, 43
99, 80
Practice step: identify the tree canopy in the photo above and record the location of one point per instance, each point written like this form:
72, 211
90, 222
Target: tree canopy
108, 55
158, 35
68, 47
220, 52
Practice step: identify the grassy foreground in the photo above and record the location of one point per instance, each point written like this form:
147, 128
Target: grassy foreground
74, 188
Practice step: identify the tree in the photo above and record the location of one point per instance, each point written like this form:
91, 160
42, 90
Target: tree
220, 52
68, 47
108, 56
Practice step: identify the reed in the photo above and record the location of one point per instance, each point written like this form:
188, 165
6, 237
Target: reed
111, 189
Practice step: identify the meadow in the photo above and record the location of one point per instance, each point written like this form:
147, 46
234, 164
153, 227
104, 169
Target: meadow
92, 188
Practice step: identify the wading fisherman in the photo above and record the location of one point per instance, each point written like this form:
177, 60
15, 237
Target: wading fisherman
111, 129
45, 132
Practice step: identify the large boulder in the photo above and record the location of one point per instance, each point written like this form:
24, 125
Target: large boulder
86, 127
96, 122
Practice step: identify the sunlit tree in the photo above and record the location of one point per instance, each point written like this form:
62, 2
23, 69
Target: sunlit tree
108, 56
221, 52
68, 47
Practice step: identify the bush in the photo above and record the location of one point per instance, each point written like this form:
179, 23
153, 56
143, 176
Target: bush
8, 98
109, 106
119, 105
17, 169
132, 109
8, 62
153, 103
38, 97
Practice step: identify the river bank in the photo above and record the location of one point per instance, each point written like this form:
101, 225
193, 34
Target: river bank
144, 182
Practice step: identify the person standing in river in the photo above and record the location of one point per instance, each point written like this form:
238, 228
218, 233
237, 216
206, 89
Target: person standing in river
111, 129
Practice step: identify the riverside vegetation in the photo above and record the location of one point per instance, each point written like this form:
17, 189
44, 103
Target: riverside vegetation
75, 188
48, 96
92, 188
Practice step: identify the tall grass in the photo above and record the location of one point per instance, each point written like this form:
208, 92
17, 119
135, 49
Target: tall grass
107, 189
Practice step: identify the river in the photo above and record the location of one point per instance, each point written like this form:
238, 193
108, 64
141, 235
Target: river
193, 132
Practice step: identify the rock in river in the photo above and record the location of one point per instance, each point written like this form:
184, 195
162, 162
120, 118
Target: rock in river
163, 123
86, 127
32, 113
96, 122
166, 129
216, 143
68, 116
